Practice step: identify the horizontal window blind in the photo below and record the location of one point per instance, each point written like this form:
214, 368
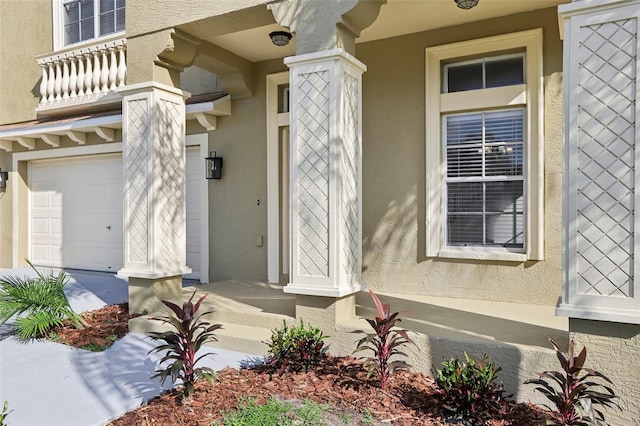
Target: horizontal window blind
484, 181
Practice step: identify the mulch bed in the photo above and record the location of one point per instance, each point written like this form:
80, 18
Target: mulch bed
409, 399
103, 327
340, 382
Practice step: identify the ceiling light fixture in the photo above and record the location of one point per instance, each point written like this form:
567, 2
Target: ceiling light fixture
466, 4
280, 38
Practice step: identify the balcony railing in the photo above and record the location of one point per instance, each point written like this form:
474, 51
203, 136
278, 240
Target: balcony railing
83, 75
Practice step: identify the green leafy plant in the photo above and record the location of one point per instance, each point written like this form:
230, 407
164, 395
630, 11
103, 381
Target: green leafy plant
573, 391
468, 390
296, 348
42, 299
5, 412
182, 344
385, 343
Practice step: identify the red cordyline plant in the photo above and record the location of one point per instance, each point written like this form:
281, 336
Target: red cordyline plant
182, 344
384, 343
574, 396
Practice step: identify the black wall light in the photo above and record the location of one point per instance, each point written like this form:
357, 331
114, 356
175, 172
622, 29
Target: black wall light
214, 166
4, 177
466, 4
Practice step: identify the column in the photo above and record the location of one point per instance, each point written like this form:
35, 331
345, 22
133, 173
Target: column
602, 160
154, 194
326, 169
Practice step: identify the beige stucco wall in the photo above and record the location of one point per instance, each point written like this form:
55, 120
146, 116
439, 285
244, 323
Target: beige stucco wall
612, 349
20, 84
394, 172
235, 217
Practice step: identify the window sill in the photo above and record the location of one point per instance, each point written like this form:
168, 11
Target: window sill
495, 254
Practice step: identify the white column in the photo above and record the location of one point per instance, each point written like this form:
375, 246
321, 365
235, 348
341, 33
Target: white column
153, 136
602, 160
326, 169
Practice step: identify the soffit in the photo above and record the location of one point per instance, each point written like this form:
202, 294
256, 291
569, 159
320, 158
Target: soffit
397, 17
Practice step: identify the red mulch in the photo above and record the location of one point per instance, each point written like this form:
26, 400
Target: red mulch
102, 327
341, 383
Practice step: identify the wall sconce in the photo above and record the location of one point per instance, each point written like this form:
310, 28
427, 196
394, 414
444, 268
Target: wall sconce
280, 38
4, 177
214, 166
467, 4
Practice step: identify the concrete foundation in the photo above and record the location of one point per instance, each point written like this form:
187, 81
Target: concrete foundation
145, 295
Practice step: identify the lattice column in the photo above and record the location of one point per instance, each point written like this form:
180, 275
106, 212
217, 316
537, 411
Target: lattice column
154, 175
602, 161
326, 133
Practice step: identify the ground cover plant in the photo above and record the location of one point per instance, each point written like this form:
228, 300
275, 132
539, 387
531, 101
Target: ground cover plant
182, 343
296, 348
385, 343
39, 303
574, 392
469, 390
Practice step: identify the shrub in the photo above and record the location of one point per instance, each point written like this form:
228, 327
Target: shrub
182, 344
385, 343
573, 395
468, 390
41, 298
296, 348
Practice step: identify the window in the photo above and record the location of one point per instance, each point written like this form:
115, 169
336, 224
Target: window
484, 149
88, 19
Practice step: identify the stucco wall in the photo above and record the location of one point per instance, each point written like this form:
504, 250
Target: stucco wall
238, 201
612, 349
394, 172
20, 85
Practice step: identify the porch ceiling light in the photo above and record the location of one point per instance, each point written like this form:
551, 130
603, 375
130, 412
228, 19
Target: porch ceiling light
280, 38
466, 4
213, 166
4, 177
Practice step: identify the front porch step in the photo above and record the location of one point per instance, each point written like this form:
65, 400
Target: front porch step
236, 337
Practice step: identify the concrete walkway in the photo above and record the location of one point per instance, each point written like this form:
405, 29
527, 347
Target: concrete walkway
50, 384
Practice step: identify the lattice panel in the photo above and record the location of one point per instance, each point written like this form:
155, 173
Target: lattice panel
606, 156
138, 181
171, 188
313, 174
350, 175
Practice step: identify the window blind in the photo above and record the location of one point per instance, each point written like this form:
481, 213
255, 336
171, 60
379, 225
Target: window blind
484, 181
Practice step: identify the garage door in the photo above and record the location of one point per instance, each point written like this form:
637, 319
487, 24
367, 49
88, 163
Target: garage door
76, 213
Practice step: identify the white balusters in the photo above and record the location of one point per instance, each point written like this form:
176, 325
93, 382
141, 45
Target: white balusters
43, 84
57, 87
95, 81
122, 67
64, 89
113, 69
73, 79
88, 74
104, 73
82, 75
51, 83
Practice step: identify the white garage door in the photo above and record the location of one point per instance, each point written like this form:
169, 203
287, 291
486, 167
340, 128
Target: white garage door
76, 213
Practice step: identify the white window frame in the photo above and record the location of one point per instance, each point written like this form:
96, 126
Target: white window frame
58, 27
528, 95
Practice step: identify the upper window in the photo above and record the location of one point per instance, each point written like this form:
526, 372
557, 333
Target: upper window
89, 19
484, 149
